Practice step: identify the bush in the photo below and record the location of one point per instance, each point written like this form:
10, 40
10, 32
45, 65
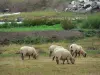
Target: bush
6, 25
41, 21
32, 22
10, 25
89, 33
67, 24
92, 22
32, 40
52, 22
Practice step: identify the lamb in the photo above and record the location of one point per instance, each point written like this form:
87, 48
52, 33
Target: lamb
28, 51
51, 49
77, 49
63, 54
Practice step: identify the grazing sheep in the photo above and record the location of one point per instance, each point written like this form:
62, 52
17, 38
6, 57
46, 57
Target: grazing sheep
77, 49
63, 54
51, 49
28, 51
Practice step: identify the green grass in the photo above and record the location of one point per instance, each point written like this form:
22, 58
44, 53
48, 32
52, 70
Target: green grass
33, 28
35, 14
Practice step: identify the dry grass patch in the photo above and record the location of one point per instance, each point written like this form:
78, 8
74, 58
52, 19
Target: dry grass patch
45, 66
11, 63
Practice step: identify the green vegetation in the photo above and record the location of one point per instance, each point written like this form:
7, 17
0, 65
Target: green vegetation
92, 22
67, 24
32, 28
53, 18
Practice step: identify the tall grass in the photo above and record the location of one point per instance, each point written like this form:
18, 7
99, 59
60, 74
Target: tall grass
92, 22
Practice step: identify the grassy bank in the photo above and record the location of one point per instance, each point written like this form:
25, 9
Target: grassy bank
48, 14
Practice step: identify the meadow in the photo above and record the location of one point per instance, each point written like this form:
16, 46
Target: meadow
11, 63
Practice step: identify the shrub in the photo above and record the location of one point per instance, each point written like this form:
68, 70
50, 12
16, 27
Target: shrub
89, 33
5, 25
67, 24
32, 40
41, 21
10, 25
34, 22
92, 22
52, 22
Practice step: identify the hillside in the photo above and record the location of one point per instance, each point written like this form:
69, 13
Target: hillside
32, 5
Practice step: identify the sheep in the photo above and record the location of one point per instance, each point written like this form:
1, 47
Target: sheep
63, 54
77, 49
51, 49
28, 51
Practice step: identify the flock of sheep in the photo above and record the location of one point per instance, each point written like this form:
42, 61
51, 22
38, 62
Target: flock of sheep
57, 52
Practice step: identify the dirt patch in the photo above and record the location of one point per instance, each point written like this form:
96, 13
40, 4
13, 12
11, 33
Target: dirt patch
59, 35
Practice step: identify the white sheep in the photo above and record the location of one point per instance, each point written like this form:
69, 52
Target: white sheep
28, 51
51, 49
77, 49
63, 54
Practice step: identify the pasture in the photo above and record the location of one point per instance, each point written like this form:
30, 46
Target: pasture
11, 63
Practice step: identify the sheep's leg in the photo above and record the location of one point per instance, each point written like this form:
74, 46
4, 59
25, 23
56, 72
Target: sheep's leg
53, 58
79, 53
67, 60
22, 56
57, 61
71, 51
75, 53
72, 54
63, 61
29, 56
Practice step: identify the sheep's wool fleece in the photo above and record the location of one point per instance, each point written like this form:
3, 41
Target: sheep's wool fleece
27, 49
60, 52
52, 47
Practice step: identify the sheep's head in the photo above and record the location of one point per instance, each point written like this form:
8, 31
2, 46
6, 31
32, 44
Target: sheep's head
35, 56
50, 53
71, 50
84, 54
72, 60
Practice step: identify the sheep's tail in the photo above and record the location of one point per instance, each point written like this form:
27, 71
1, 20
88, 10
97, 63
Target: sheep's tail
22, 56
